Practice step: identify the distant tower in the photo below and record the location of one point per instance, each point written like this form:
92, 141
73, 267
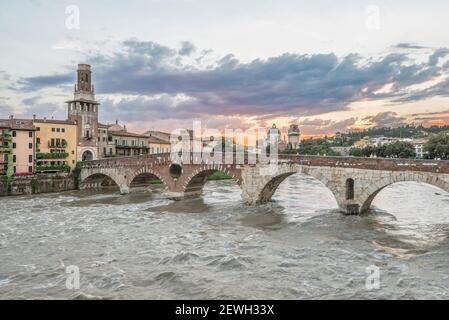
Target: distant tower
274, 133
84, 110
293, 136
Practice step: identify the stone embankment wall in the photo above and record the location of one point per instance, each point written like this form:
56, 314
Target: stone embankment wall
35, 184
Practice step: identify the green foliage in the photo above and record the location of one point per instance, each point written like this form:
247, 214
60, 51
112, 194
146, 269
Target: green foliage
53, 155
35, 185
438, 146
155, 181
77, 175
61, 167
398, 149
314, 147
219, 175
407, 131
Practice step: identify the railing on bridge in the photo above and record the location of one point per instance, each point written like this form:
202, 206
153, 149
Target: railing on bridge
387, 164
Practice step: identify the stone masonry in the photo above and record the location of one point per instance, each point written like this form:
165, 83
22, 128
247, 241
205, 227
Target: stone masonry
354, 181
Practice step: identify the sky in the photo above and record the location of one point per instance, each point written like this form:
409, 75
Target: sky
160, 64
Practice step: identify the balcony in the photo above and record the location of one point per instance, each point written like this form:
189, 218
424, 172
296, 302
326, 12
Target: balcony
52, 155
5, 137
52, 168
5, 149
55, 145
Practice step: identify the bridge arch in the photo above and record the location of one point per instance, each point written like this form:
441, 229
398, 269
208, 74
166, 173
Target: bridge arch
379, 185
271, 186
263, 183
98, 180
145, 173
195, 181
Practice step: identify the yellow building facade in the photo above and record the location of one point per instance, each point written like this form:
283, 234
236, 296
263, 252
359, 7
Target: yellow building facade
157, 145
56, 143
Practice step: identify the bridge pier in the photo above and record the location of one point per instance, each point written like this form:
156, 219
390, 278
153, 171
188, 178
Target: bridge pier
124, 190
350, 209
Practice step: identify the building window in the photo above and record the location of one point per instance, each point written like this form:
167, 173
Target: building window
14, 145
14, 133
30, 134
52, 129
58, 130
14, 158
15, 169
30, 169
62, 130
38, 128
30, 145
38, 140
30, 159
350, 189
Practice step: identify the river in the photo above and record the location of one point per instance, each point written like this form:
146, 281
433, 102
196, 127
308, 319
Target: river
143, 246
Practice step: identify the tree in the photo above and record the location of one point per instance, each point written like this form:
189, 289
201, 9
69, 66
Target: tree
356, 152
314, 147
438, 146
400, 149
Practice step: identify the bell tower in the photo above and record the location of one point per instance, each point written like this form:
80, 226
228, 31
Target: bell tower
83, 110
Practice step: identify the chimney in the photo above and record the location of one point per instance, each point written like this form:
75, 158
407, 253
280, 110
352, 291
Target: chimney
11, 117
116, 121
45, 119
34, 117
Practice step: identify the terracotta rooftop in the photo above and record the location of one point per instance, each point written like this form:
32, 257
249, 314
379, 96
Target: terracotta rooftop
17, 124
157, 140
55, 121
128, 134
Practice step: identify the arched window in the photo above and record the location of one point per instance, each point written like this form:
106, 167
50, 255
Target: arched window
350, 189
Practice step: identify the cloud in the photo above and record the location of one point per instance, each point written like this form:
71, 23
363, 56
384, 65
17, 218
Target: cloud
5, 109
153, 77
40, 82
187, 48
439, 53
325, 126
386, 119
406, 45
4, 76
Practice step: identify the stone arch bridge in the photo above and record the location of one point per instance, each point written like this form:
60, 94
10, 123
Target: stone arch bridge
354, 181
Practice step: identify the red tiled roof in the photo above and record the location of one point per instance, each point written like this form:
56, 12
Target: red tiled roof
17, 124
54, 121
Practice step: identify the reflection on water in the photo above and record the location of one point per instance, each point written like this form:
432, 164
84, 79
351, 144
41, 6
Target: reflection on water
143, 245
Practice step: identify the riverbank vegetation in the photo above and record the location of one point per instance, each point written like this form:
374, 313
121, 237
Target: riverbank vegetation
397, 149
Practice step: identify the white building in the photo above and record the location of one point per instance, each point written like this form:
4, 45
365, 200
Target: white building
293, 136
419, 147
